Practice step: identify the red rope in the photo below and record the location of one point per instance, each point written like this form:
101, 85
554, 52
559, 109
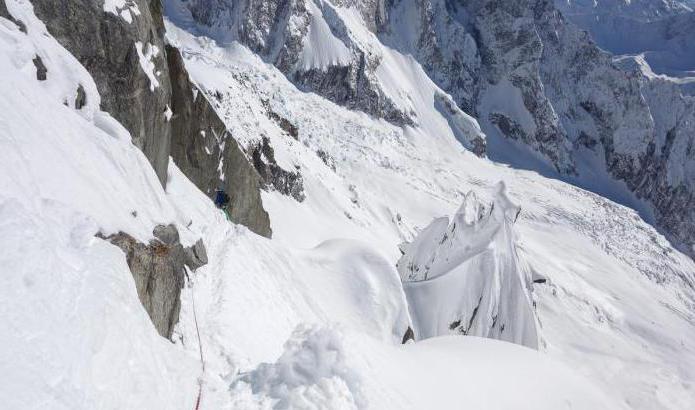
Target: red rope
200, 349
200, 391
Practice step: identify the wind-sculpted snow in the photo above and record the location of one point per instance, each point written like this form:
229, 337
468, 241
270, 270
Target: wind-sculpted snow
617, 306
466, 276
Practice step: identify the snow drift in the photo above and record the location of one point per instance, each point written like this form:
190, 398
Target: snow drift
327, 368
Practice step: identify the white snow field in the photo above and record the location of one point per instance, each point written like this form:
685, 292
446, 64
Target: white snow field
314, 317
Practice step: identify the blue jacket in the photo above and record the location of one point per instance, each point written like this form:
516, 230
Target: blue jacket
221, 199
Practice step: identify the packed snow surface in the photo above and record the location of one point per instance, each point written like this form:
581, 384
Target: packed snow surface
617, 305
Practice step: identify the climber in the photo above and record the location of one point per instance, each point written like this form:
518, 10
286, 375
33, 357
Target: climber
222, 201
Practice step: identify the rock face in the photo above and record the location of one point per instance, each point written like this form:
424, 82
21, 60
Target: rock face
530, 76
159, 272
207, 153
113, 45
144, 85
273, 176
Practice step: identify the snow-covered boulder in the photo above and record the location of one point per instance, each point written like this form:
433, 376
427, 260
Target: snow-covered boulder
465, 276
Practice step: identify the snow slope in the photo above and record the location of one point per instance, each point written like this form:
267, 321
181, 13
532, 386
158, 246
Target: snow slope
74, 332
76, 335
616, 288
618, 308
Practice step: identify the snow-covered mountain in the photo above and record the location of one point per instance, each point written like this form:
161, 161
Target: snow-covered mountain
660, 31
530, 78
345, 133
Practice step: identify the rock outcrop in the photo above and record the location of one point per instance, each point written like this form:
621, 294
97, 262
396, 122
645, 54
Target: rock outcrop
159, 270
286, 182
144, 85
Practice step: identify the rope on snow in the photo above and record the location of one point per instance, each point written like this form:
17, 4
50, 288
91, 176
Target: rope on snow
200, 349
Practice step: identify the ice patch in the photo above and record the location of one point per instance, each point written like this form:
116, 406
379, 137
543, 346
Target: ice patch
146, 54
126, 9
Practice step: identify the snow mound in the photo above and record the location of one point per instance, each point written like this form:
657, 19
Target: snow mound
325, 368
466, 277
311, 373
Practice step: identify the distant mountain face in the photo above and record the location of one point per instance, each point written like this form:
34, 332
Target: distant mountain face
642, 10
661, 30
529, 77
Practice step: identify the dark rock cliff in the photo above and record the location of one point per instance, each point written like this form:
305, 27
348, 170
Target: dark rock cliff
108, 46
207, 153
159, 107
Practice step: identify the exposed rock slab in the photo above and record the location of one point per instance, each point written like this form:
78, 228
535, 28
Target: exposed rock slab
158, 269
